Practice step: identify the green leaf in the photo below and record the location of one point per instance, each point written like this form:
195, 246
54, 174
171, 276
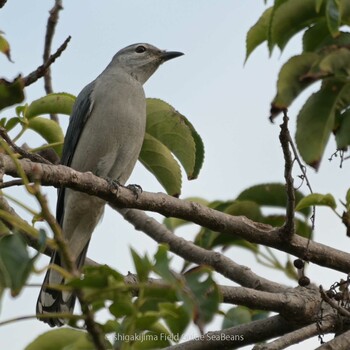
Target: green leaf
175, 316
49, 130
62, 339
11, 93
319, 4
291, 17
175, 131
290, 83
317, 37
272, 195
55, 103
318, 200
257, 34
344, 8
143, 266
205, 294
342, 135
236, 316
122, 306
336, 63
5, 47
11, 123
347, 197
15, 262
317, 117
159, 161
161, 266
333, 16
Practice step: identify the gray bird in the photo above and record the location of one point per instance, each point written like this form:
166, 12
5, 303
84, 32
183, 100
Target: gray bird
104, 136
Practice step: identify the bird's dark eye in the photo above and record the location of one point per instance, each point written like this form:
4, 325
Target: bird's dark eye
140, 49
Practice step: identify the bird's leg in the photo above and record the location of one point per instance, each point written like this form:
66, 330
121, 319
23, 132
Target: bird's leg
113, 185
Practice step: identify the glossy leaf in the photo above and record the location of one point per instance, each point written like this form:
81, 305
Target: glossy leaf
342, 135
15, 262
143, 266
5, 47
347, 197
159, 161
206, 296
49, 130
273, 195
317, 117
241, 314
290, 83
291, 17
318, 200
337, 63
60, 339
175, 316
257, 34
11, 93
55, 103
333, 16
175, 131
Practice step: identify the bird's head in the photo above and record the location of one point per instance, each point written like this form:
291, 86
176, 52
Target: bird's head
142, 60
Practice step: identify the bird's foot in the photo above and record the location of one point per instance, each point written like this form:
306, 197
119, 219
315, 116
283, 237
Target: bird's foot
113, 185
135, 189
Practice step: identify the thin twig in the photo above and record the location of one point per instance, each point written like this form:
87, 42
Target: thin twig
32, 156
333, 303
11, 183
50, 31
289, 226
40, 71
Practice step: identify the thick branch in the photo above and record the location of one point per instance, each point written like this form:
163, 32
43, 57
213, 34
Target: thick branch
299, 335
340, 342
58, 175
237, 337
189, 251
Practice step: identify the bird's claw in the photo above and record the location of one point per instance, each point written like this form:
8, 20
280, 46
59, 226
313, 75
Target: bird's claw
113, 185
135, 189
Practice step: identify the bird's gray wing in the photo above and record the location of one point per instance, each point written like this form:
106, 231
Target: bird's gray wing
80, 114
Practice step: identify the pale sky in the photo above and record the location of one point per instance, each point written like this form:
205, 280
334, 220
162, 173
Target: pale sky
227, 103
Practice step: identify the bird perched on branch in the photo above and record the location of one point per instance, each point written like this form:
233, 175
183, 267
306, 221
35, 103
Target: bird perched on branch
104, 136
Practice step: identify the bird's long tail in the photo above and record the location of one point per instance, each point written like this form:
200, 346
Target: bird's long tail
51, 300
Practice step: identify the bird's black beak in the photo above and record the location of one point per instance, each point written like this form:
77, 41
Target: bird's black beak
168, 55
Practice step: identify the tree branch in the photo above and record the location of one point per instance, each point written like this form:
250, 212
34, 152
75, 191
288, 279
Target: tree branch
59, 175
32, 156
289, 226
340, 342
299, 335
189, 251
239, 336
50, 31
41, 71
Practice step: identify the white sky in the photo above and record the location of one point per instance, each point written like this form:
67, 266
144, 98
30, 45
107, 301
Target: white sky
227, 103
